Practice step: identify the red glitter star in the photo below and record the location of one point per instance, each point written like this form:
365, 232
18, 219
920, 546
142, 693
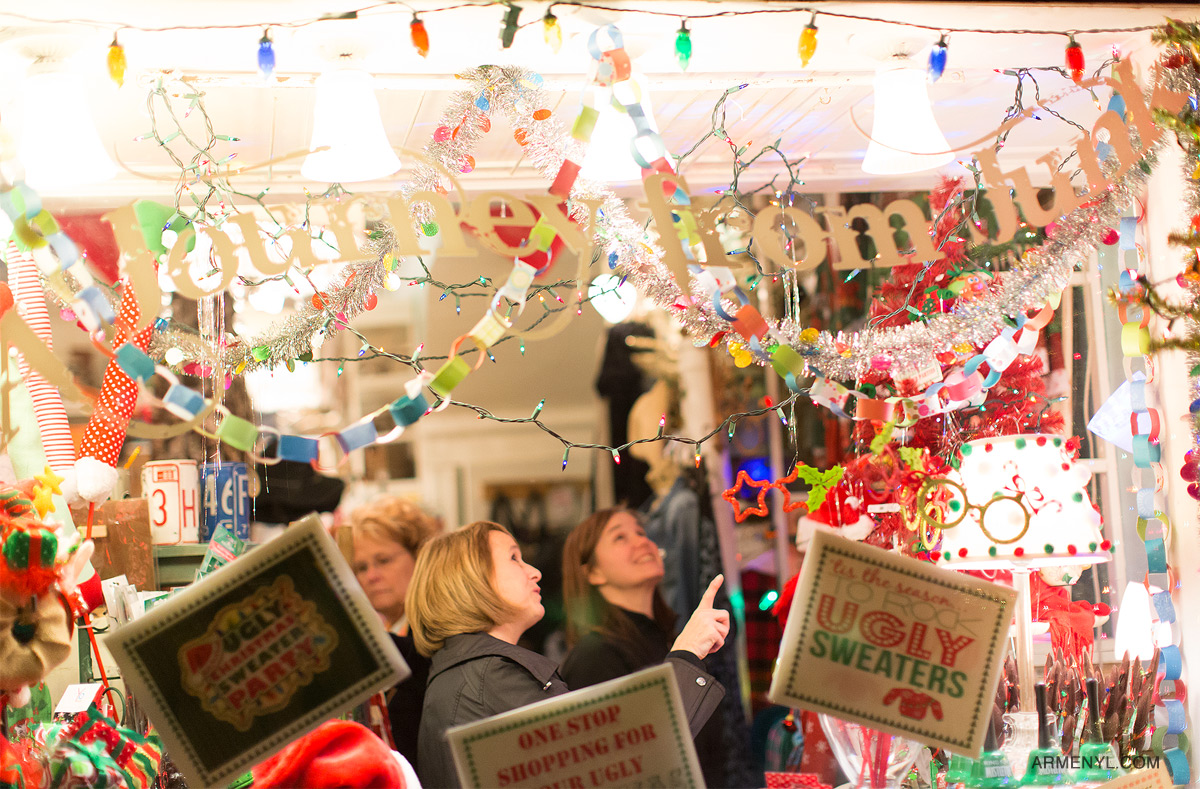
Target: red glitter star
731, 494
788, 505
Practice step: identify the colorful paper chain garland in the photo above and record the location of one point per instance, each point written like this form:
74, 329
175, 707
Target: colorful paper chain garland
1044, 271
1042, 275
1153, 525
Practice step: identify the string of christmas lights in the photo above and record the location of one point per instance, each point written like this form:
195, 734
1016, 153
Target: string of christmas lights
333, 308
648, 10
326, 312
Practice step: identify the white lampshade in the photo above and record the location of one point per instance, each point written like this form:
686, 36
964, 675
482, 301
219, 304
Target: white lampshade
609, 156
1063, 527
1135, 626
612, 298
59, 145
346, 119
905, 137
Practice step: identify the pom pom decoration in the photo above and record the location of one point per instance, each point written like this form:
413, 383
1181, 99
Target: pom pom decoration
94, 479
96, 472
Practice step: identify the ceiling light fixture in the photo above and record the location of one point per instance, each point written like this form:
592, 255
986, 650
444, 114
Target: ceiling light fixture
905, 137
609, 156
347, 123
59, 144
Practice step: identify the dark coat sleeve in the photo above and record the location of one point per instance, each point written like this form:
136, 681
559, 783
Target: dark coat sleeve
698, 690
406, 700
594, 660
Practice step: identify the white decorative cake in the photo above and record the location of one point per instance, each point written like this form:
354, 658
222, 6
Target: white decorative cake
1026, 503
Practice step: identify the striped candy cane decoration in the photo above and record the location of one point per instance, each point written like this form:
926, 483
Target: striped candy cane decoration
47, 403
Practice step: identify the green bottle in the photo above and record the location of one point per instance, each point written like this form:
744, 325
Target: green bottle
1047, 765
992, 769
959, 772
1098, 762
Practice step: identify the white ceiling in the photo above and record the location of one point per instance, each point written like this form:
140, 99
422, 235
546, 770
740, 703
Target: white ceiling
808, 110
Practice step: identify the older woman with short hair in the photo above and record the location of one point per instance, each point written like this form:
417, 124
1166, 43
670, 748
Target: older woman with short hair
471, 598
388, 534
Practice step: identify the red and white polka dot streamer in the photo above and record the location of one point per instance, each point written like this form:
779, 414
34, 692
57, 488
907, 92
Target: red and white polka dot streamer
105, 432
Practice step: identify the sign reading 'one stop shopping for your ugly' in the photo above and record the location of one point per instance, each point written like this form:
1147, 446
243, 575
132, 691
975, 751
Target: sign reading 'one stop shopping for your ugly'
894, 644
629, 732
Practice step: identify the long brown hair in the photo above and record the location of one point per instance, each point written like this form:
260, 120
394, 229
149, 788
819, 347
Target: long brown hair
587, 610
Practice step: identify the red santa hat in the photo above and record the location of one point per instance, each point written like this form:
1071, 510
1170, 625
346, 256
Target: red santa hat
336, 754
840, 513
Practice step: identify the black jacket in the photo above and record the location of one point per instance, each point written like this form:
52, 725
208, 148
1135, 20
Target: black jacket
475, 676
598, 658
406, 700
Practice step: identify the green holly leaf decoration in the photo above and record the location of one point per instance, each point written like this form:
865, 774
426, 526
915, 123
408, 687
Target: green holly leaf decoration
882, 438
820, 481
912, 457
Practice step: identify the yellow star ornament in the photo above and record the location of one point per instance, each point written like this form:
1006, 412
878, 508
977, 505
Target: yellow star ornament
51, 480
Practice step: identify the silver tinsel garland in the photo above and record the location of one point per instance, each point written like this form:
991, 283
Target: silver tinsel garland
516, 93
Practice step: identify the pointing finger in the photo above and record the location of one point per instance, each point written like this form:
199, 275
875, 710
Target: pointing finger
710, 594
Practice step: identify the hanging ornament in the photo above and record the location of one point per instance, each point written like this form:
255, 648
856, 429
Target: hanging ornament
116, 61
1075, 60
510, 25
937, 59
808, 40
683, 45
420, 37
266, 55
551, 31
105, 432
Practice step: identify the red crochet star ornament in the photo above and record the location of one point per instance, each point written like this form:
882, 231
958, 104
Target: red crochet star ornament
760, 509
782, 483
731, 495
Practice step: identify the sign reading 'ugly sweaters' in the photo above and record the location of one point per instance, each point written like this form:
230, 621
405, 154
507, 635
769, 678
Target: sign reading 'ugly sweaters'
894, 644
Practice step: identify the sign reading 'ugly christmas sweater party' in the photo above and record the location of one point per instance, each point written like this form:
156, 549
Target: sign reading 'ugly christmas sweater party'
894, 644
256, 654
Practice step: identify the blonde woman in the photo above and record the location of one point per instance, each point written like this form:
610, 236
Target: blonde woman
388, 536
471, 598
